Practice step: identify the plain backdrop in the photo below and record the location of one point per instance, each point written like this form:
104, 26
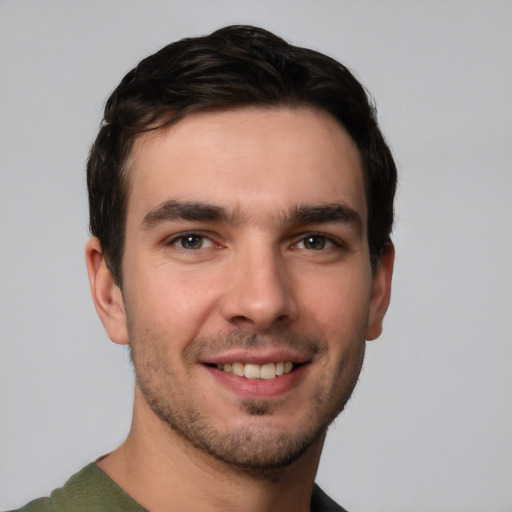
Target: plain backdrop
429, 427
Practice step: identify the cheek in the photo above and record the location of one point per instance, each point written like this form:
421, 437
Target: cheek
339, 305
173, 303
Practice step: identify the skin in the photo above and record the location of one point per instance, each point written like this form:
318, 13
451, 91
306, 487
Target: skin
245, 240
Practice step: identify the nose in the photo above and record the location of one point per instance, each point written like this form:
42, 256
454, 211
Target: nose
260, 291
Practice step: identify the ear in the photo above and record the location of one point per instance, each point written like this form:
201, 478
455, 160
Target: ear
381, 293
107, 296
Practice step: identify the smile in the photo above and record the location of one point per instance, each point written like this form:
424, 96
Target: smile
265, 371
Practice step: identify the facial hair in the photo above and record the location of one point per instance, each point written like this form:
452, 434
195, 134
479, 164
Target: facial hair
257, 446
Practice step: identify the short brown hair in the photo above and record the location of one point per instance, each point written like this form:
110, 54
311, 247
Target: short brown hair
233, 67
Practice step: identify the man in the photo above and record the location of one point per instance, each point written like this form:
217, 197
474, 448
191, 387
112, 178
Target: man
241, 204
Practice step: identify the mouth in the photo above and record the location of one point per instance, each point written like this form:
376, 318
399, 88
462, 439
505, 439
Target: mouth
258, 378
266, 371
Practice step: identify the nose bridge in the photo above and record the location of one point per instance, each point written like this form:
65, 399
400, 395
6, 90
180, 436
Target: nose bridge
260, 292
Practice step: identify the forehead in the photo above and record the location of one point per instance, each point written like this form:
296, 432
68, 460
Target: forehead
265, 159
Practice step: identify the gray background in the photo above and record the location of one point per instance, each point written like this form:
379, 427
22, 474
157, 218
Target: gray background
429, 427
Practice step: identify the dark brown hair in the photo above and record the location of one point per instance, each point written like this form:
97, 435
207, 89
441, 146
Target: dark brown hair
233, 67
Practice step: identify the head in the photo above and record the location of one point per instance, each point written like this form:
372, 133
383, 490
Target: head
237, 66
241, 201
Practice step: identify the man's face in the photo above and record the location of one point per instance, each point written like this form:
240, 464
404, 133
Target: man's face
247, 285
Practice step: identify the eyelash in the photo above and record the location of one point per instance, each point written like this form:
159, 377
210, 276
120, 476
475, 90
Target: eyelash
192, 234
303, 237
336, 242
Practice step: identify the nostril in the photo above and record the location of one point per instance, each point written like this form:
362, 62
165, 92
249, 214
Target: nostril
240, 319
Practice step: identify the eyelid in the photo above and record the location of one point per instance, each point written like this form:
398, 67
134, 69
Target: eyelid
334, 240
175, 238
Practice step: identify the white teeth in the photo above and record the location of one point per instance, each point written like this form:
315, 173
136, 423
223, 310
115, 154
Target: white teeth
252, 371
268, 371
265, 371
238, 369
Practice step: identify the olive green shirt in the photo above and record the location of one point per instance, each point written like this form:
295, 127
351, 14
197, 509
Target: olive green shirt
92, 490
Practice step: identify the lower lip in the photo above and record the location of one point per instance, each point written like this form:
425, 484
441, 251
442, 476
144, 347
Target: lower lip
259, 388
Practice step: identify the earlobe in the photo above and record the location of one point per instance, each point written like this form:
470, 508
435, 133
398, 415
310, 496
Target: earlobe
381, 292
107, 297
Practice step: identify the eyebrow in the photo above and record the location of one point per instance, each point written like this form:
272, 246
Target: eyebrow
172, 210
179, 210
324, 214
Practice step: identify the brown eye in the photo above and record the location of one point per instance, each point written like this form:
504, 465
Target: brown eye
192, 242
315, 243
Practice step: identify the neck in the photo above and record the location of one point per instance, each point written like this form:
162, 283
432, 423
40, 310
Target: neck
163, 471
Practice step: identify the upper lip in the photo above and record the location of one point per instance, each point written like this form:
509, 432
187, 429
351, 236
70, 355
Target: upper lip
256, 356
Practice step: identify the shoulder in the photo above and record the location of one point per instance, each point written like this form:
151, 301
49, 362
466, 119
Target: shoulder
320, 502
39, 505
88, 490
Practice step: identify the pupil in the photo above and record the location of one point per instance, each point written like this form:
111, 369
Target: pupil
192, 242
315, 242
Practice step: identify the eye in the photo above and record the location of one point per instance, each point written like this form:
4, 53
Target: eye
191, 242
315, 243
